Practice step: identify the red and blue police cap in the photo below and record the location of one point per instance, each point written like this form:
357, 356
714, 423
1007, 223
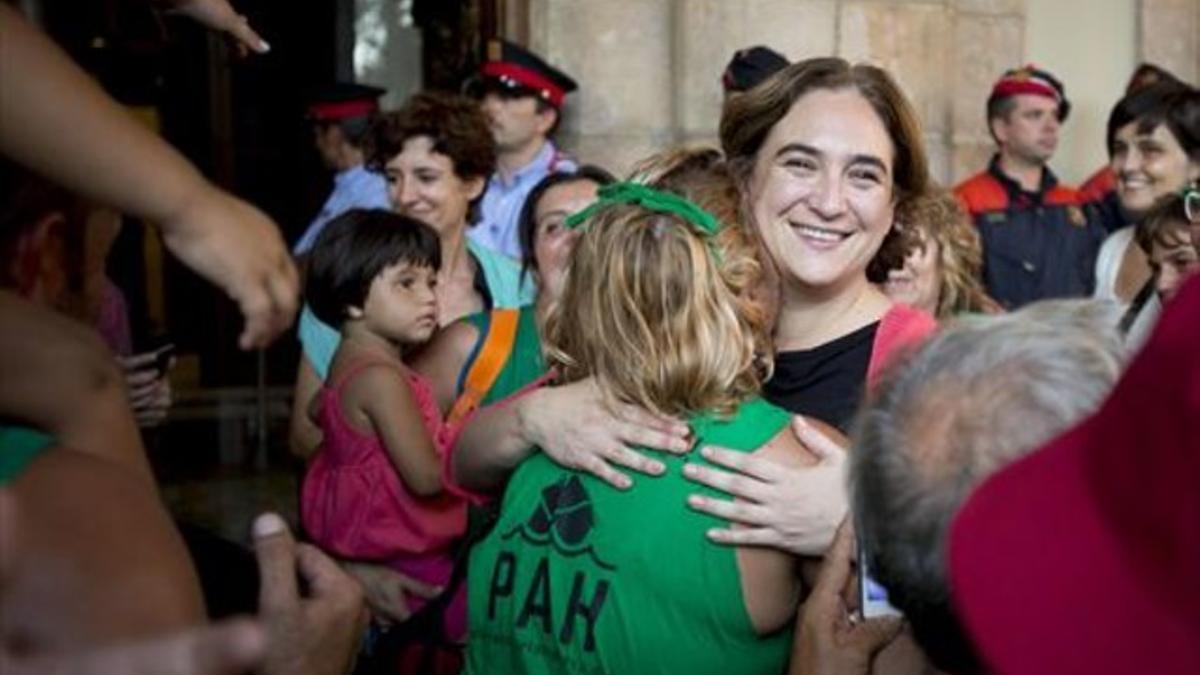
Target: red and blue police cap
750, 66
343, 100
515, 69
1030, 79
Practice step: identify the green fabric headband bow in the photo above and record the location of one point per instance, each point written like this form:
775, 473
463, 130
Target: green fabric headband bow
651, 199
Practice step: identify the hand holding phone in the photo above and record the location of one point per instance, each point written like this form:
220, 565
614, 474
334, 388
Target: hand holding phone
156, 360
872, 597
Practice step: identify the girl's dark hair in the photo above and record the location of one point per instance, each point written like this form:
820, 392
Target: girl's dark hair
354, 248
527, 222
1167, 213
1166, 102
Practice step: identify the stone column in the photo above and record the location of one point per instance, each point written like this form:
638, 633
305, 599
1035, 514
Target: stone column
650, 70
1169, 36
989, 38
620, 53
708, 32
913, 41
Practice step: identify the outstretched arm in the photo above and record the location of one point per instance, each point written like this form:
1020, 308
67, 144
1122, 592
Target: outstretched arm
220, 16
57, 121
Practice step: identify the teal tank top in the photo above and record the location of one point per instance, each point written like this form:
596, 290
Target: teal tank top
578, 577
19, 446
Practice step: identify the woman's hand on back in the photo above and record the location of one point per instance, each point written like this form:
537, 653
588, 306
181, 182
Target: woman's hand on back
578, 427
796, 509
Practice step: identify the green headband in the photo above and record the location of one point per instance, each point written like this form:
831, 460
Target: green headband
650, 199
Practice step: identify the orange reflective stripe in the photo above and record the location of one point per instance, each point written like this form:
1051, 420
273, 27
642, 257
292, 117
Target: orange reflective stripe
1061, 195
982, 193
497, 345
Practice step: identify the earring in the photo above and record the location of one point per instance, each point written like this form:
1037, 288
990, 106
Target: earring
1191, 203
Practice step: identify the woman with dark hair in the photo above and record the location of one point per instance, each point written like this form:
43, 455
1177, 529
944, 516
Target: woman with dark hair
1154, 148
830, 158
543, 226
826, 155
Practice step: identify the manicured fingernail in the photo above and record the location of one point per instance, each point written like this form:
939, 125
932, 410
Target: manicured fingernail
625, 483
695, 500
707, 452
690, 470
656, 468
267, 525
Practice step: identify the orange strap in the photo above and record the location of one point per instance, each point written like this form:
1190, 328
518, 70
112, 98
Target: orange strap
497, 345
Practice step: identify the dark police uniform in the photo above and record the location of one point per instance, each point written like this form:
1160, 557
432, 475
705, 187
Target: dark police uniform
1036, 245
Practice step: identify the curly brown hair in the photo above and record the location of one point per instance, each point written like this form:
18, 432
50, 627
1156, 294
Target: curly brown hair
937, 218
456, 125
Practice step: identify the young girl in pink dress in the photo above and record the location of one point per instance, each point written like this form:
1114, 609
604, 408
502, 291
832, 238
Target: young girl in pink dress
374, 489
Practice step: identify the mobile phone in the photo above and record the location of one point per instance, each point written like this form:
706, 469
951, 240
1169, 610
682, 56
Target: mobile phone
872, 597
162, 350
163, 356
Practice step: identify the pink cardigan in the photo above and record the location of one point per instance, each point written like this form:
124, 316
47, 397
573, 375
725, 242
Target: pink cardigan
902, 328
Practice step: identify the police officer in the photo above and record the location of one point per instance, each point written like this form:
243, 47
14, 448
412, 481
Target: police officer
522, 96
1037, 241
340, 115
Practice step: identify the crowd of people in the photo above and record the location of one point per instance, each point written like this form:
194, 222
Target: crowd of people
782, 405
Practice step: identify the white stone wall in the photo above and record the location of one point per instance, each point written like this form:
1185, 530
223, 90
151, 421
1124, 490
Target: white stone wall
649, 69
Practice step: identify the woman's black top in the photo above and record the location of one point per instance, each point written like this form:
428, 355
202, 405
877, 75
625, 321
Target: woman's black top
825, 382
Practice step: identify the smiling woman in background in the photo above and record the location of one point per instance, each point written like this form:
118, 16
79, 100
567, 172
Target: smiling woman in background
1154, 151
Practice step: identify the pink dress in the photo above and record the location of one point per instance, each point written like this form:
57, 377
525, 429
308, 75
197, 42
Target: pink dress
354, 504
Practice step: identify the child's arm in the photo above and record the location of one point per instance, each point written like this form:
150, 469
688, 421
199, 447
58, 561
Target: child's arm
304, 433
385, 398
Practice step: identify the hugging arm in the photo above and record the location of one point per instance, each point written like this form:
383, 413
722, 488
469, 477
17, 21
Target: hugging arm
574, 424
